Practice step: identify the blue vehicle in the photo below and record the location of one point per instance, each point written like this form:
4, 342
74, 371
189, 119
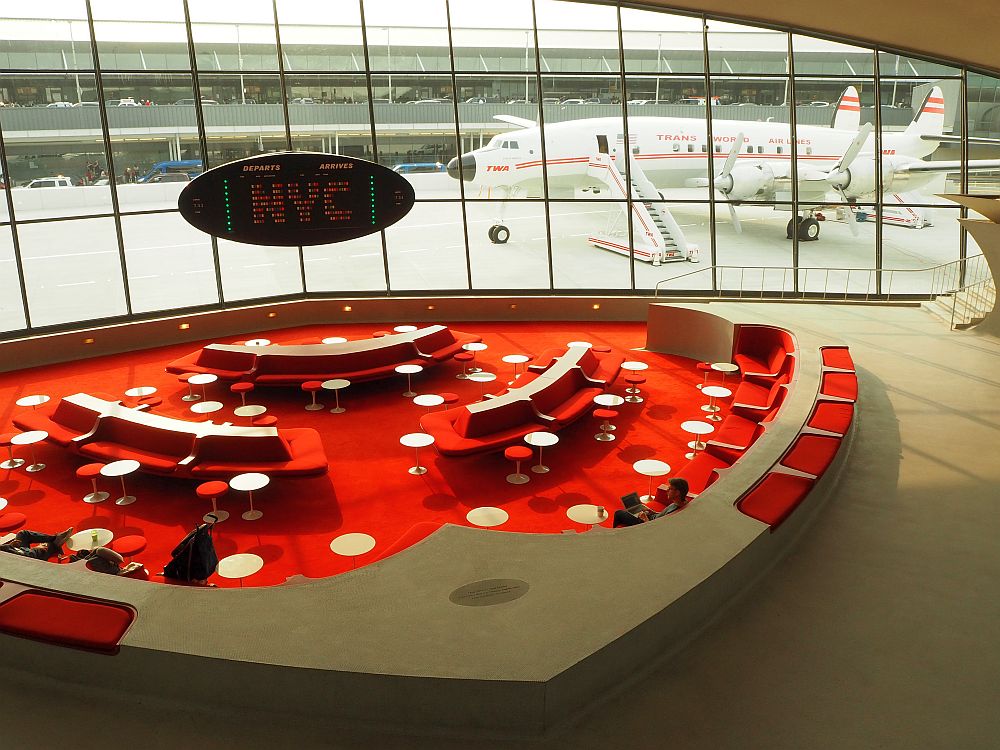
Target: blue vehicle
191, 167
416, 167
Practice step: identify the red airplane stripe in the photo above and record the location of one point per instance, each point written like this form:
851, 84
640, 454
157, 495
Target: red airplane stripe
847, 108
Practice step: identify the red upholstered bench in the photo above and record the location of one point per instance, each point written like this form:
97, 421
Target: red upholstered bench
774, 498
812, 454
64, 620
416, 533
837, 358
760, 351
840, 385
832, 416
63, 420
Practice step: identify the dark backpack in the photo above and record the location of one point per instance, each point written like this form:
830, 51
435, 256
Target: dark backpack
194, 559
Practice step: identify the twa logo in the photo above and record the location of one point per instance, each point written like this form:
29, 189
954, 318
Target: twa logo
492, 168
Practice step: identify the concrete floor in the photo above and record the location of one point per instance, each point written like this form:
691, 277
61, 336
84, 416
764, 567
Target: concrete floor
876, 631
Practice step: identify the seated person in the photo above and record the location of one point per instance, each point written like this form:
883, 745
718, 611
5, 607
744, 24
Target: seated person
101, 559
677, 490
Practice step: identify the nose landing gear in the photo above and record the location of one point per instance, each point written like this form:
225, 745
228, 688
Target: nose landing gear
499, 234
808, 228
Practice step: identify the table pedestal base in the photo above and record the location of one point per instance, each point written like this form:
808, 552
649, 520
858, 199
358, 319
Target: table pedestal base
125, 500
252, 515
220, 516
96, 497
12, 463
518, 478
417, 470
540, 469
604, 437
35, 467
634, 399
314, 407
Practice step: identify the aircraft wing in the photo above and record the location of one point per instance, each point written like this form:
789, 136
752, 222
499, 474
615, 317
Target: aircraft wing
958, 139
518, 121
975, 165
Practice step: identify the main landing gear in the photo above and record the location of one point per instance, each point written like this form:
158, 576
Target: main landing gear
499, 234
808, 228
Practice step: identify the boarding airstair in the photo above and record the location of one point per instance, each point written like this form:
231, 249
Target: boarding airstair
656, 236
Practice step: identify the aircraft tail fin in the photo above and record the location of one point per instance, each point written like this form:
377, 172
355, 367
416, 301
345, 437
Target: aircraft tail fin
847, 116
929, 119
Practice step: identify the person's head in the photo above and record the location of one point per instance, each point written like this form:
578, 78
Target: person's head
677, 490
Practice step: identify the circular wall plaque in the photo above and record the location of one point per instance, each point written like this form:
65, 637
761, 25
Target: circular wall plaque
489, 592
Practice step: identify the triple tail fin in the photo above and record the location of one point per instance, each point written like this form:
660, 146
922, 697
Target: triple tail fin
848, 113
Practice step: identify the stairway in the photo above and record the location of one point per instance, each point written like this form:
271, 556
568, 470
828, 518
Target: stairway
970, 305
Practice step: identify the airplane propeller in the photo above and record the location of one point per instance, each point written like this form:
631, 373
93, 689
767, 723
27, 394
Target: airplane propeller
836, 175
724, 181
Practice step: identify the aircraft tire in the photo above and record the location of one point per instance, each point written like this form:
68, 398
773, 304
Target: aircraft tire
809, 230
500, 235
789, 228
493, 233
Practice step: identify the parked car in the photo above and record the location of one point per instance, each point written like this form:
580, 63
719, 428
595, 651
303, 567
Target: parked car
50, 182
419, 167
167, 177
59, 105
431, 101
190, 102
302, 100
87, 104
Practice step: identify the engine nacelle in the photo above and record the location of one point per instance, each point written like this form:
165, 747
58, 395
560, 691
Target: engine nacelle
858, 180
745, 181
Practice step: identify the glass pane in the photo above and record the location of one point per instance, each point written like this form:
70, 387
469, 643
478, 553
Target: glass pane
250, 271
918, 238
11, 308
588, 250
891, 64
72, 270
661, 43
169, 262
353, 266
427, 249
407, 36
984, 123
755, 239
846, 240
522, 261
321, 36
140, 36
481, 47
156, 148
55, 151
577, 38
734, 48
327, 116
822, 57
45, 34
234, 35
692, 225
243, 116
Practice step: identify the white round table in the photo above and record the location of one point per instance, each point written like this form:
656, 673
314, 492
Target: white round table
404, 329
207, 407
541, 439
607, 401
120, 469
250, 411
30, 438
487, 516
587, 513
351, 545
89, 539
140, 391
32, 401
239, 566
417, 440
409, 371
202, 379
713, 392
633, 366
725, 368
334, 340
335, 385
515, 359
696, 428
3, 504
580, 344
258, 342
482, 377
248, 483
651, 467
475, 347
430, 400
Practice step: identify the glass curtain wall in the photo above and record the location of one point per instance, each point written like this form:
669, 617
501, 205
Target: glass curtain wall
555, 147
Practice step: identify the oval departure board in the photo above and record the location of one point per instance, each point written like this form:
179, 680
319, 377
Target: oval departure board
295, 198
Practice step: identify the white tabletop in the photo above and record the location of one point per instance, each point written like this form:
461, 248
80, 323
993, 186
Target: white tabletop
651, 467
29, 438
633, 365
404, 329
487, 516
239, 566
3, 504
608, 399
417, 440
541, 439
581, 344
120, 468
429, 400
350, 545
334, 340
515, 359
475, 346
86, 539
724, 367
482, 377
207, 407
250, 481
587, 513
716, 391
140, 391
250, 410
203, 378
697, 427
258, 342
335, 384
409, 369
37, 400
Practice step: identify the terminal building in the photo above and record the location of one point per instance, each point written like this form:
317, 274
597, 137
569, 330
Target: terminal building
864, 626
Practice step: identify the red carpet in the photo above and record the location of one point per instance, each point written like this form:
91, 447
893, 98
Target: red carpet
368, 488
